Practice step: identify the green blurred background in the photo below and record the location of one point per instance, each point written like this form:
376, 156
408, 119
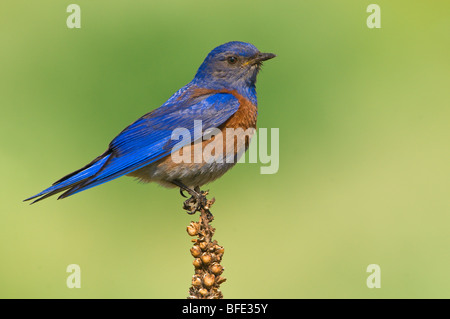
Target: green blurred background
364, 149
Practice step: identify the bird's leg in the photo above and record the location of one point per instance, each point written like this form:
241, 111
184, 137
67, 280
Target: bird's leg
197, 199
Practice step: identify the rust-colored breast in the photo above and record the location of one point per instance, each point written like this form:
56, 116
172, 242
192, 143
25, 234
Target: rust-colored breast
243, 122
245, 116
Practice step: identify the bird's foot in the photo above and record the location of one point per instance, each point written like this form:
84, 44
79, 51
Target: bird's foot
196, 202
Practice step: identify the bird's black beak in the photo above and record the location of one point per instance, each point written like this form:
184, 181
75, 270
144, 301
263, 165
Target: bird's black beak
264, 56
260, 57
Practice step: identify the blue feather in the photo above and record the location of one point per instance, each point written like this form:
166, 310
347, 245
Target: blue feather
148, 139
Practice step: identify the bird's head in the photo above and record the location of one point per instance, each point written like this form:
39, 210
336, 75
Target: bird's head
233, 65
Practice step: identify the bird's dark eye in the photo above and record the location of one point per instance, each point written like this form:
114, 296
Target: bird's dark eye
232, 59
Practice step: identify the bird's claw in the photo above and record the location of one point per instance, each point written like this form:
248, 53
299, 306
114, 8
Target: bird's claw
182, 194
195, 202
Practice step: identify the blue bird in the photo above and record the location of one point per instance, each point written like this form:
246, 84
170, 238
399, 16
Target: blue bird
221, 96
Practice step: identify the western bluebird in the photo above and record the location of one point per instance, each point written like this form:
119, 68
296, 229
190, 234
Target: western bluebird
222, 95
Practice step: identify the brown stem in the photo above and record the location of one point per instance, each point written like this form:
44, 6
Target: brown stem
207, 256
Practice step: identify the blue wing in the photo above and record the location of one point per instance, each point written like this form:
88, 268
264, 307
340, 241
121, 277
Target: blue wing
147, 140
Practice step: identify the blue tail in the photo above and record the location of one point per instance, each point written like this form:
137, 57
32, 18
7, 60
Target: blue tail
74, 179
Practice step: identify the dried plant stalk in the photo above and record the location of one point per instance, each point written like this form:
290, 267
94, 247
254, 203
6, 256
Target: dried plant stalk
207, 256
